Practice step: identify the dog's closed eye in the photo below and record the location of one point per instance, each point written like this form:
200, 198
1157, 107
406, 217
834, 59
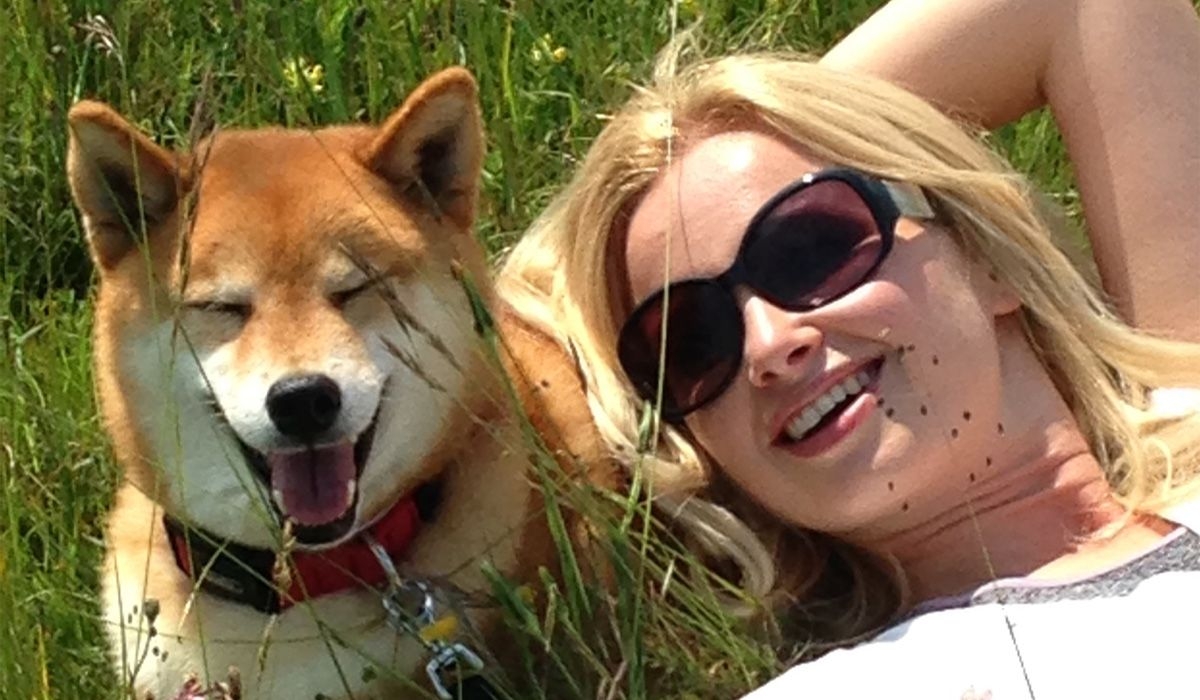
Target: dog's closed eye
340, 299
238, 309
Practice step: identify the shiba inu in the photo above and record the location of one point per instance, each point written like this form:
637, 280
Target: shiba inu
289, 369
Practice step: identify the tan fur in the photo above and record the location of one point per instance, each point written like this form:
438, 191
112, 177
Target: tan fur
263, 217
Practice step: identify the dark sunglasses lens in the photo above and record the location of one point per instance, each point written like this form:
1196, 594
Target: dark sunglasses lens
814, 246
703, 349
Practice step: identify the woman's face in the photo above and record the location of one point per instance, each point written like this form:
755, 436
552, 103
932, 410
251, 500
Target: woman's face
922, 332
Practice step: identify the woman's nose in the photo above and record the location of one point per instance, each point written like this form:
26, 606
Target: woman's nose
778, 347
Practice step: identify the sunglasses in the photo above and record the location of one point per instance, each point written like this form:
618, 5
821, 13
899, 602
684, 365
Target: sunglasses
813, 242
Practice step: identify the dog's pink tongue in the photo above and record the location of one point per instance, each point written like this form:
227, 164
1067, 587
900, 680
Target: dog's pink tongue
314, 484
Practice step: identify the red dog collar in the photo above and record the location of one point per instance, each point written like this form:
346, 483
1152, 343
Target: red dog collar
244, 574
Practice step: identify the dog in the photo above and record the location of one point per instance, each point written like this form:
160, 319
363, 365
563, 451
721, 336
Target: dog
317, 452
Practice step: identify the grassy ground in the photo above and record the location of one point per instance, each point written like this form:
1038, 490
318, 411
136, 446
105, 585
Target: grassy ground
548, 72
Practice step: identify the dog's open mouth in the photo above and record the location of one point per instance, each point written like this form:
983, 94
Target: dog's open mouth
316, 487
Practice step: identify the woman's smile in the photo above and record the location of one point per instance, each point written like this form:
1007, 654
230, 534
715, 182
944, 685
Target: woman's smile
843, 400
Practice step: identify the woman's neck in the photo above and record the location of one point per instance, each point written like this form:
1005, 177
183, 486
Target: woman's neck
1047, 509
1012, 524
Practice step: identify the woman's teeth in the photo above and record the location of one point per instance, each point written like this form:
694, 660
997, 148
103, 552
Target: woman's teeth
825, 403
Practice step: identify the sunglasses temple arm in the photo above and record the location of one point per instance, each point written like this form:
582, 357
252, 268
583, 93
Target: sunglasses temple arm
909, 199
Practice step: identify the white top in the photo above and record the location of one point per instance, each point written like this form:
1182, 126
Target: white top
1139, 643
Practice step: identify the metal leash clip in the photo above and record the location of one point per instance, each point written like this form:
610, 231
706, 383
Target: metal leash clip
451, 659
411, 608
410, 605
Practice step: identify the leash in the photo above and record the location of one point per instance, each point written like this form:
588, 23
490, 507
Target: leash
454, 669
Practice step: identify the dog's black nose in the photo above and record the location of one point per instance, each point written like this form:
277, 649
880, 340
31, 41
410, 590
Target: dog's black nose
304, 405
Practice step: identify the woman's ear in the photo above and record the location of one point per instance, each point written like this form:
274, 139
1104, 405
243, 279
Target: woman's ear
998, 296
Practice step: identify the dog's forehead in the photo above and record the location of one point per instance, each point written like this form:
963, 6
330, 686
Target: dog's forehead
279, 177
243, 154
299, 201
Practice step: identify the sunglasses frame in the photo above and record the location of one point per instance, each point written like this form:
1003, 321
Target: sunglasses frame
887, 201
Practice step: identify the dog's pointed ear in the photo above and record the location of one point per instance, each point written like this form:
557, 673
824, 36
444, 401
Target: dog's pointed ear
434, 143
123, 182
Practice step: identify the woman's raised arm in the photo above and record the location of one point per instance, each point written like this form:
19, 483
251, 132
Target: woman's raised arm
1123, 80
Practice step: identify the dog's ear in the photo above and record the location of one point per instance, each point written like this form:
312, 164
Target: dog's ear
434, 142
124, 184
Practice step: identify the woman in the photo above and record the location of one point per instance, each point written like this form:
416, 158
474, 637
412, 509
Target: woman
884, 387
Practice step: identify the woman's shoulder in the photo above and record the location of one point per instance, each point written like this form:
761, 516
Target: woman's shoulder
1009, 650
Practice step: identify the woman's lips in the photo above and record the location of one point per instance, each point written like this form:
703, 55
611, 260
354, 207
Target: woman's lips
841, 421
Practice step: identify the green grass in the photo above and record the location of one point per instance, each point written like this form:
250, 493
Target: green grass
548, 73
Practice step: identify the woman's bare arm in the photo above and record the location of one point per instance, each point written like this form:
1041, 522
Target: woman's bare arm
1123, 80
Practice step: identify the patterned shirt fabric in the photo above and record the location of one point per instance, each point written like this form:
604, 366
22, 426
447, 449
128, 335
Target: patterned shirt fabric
1128, 632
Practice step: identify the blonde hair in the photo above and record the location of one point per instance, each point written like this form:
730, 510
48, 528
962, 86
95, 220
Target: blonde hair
562, 276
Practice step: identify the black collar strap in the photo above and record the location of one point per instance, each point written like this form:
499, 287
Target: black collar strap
227, 570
